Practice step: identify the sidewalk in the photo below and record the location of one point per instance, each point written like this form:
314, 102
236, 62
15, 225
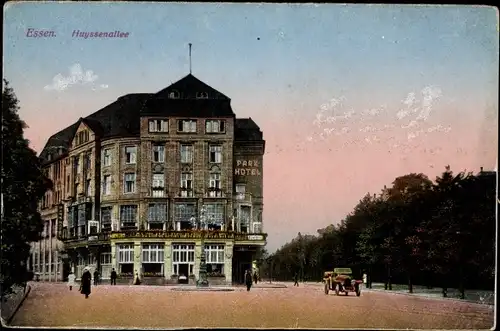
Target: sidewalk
12, 302
476, 296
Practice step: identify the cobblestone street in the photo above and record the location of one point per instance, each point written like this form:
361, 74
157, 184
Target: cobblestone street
53, 305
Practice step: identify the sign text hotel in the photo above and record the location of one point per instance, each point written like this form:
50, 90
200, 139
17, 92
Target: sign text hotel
247, 168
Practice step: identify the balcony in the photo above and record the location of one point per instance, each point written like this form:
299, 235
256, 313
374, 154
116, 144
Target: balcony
243, 197
214, 192
189, 234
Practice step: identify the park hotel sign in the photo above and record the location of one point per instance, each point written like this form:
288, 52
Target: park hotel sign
247, 168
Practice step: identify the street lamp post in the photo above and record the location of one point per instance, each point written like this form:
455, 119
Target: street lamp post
203, 281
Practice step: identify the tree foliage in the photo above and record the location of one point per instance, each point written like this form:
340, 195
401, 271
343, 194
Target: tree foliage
23, 185
439, 233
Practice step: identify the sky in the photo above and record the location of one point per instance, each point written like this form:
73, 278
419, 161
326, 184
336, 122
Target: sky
348, 97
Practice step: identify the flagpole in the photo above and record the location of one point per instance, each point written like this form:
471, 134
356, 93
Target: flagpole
190, 57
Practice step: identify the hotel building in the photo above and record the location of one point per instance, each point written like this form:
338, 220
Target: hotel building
141, 184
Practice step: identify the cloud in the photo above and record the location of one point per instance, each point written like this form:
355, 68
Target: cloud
76, 76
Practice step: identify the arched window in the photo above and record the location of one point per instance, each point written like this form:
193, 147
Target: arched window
174, 94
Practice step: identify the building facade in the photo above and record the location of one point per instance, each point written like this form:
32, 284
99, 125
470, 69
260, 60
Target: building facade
145, 183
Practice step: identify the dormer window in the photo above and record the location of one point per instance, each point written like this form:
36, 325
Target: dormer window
202, 95
174, 95
215, 126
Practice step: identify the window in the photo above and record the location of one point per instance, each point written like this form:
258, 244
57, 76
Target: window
87, 161
93, 227
53, 228
245, 215
106, 185
183, 259
153, 259
153, 253
158, 125
106, 258
130, 155
186, 154
186, 184
158, 153
174, 95
215, 154
158, 185
76, 163
240, 191
214, 185
188, 126
215, 126
125, 253
187, 180
214, 181
157, 213
215, 258
129, 183
106, 218
88, 187
257, 227
106, 157
128, 215
81, 137
202, 95
184, 215
214, 214
57, 170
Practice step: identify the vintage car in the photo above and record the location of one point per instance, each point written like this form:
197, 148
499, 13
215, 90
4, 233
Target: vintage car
340, 280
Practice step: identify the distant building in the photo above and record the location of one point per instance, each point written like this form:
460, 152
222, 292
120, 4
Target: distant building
136, 182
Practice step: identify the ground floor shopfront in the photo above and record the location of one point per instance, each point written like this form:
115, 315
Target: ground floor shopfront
173, 259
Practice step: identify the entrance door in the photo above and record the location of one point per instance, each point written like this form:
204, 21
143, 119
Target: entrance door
184, 271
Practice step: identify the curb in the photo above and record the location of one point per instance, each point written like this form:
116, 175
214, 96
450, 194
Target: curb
9, 319
429, 297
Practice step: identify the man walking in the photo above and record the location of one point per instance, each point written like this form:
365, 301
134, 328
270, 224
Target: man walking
113, 277
248, 279
296, 280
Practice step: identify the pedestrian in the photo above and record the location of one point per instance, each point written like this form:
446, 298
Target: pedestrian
296, 280
365, 280
137, 280
86, 282
113, 277
71, 280
96, 277
255, 278
248, 279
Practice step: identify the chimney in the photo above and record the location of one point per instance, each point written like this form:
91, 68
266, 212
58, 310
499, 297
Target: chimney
481, 169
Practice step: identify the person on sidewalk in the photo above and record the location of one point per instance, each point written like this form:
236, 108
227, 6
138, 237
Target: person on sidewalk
255, 278
296, 279
113, 277
248, 279
96, 277
71, 280
86, 283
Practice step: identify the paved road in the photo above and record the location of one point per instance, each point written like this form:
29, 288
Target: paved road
53, 305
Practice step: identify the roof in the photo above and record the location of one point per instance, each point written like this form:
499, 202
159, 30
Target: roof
246, 129
122, 117
188, 107
189, 87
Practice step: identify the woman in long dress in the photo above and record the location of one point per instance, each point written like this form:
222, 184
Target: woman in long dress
71, 280
86, 283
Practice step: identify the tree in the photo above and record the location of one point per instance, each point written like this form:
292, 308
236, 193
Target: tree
23, 185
